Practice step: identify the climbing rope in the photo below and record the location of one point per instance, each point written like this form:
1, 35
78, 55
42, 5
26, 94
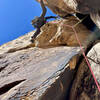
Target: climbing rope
83, 53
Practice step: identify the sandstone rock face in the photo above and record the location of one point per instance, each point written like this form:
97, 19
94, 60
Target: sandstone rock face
36, 73
94, 55
65, 7
31, 73
59, 32
84, 86
18, 44
55, 33
61, 7
28, 72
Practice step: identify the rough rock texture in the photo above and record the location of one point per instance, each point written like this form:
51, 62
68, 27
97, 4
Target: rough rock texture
94, 55
32, 73
61, 7
55, 33
65, 7
35, 72
84, 87
59, 32
18, 44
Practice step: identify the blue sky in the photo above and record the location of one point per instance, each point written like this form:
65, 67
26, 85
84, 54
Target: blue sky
16, 16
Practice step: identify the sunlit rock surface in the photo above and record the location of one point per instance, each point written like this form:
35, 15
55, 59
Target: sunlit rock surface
59, 32
65, 7
54, 33
20, 43
34, 73
61, 7
94, 55
28, 72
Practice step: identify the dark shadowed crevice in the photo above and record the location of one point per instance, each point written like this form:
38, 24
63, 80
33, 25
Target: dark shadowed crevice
2, 68
87, 21
7, 87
